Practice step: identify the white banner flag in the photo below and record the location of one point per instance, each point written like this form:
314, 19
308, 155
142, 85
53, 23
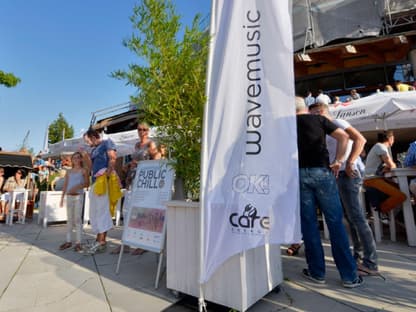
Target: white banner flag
249, 168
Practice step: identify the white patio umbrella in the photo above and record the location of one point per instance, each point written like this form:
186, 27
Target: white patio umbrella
381, 111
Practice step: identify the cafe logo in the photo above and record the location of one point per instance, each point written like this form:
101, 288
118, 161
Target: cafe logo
249, 222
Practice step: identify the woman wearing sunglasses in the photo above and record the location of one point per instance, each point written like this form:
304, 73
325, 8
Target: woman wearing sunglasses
145, 149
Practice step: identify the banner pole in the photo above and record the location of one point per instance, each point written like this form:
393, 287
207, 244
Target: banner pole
204, 155
119, 258
243, 279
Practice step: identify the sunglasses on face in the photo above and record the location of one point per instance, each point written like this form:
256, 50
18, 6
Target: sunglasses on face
142, 129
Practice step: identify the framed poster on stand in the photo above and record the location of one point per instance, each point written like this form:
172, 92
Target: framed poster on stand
146, 220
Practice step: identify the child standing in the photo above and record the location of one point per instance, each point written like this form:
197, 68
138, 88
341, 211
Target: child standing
75, 180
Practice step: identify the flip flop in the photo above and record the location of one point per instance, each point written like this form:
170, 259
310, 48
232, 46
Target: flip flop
293, 249
138, 252
117, 250
364, 271
65, 246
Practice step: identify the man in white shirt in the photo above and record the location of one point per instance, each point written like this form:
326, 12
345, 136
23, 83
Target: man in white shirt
349, 182
323, 98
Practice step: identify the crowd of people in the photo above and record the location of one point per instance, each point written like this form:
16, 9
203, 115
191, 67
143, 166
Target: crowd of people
45, 175
334, 101
71, 174
331, 174
100, 162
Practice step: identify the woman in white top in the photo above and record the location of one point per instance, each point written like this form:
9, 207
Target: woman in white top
76, 179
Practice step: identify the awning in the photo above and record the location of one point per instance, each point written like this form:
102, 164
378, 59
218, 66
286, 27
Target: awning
16, 160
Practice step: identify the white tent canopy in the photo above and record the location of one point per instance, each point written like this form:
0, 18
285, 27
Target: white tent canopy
124, 142
380, 111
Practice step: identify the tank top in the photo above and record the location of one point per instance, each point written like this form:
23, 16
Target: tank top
142, 153
75, 178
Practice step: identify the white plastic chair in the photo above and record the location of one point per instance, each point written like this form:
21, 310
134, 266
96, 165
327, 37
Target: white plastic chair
17, 204
119, 207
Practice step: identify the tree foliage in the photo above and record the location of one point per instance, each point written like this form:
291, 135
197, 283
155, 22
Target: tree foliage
170, 77
60, 128
8, 79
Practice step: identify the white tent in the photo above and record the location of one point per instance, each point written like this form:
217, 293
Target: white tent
65, 146
380, 111
124, 142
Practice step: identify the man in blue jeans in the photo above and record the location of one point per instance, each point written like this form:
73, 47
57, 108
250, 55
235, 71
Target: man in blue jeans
349, 183
318, 188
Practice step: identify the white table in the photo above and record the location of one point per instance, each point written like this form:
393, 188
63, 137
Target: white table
50, 209
402, 175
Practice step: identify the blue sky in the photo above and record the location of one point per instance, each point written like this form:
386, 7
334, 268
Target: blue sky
64, 52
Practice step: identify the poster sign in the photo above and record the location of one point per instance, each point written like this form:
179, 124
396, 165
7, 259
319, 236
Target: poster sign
146, 222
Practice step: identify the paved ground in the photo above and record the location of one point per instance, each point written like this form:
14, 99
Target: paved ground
36, 276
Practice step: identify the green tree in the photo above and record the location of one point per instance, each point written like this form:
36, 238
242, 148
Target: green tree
60, 128
170, 77
8, 79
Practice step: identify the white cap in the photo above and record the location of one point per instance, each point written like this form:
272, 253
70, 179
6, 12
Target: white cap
322, 100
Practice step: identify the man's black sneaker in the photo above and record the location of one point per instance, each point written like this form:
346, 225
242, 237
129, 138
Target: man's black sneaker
354, 284
308, 275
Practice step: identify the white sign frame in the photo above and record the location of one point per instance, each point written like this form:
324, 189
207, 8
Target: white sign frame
151, 188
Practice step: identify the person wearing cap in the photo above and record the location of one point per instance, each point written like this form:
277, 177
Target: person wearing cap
323, 98
318, 188
349, 183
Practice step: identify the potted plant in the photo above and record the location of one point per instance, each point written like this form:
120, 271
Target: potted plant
171, 83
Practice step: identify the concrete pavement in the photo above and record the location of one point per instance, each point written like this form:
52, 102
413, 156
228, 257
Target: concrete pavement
36, 276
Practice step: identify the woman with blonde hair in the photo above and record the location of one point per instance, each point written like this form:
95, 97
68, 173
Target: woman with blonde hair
76, 179
388, 88
146, 148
